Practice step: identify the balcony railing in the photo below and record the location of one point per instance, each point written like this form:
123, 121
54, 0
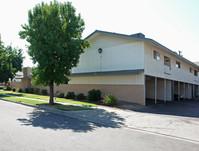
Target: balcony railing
167, 69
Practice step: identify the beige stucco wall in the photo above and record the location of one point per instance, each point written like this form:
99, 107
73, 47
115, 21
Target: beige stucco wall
25, 83
127, 93
109, 80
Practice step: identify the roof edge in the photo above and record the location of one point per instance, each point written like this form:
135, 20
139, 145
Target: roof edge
144, 39
109, 73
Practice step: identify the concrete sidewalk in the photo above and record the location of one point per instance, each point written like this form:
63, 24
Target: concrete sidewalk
172, 123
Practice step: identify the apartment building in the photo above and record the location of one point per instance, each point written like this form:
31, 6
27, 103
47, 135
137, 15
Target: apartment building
133, 68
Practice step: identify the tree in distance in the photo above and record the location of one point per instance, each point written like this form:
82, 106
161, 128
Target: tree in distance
54, 33
11, 60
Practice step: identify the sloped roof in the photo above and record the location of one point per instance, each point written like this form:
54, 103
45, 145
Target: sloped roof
19, 75
143, 39
197, 63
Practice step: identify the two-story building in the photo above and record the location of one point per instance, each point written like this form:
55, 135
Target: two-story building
131, 67
135, 69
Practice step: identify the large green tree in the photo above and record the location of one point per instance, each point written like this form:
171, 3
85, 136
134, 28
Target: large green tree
11, 60
54, 33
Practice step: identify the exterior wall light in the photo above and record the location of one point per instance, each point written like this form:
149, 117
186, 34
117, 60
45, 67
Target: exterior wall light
100, 50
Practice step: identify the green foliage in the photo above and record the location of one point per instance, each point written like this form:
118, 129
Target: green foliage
110, 100
11, 60
26, 90
19, 90
94, 95
70, 95
60, 95
41, 103
54, 33
80, 96
36, 90
7, 88
42, 97
44, 91
13, 89
31, 90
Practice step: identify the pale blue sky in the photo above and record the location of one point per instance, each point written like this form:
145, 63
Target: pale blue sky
173, 23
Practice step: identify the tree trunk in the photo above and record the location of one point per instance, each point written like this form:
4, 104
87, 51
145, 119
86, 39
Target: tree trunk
51, 101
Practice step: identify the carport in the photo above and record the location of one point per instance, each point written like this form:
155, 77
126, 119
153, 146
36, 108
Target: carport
158, 90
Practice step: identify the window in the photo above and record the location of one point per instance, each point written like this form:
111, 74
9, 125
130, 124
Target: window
191, 70
177, 64
156, 55
195, 72
167, 61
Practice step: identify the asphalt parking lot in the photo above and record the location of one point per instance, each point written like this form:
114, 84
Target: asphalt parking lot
187, 108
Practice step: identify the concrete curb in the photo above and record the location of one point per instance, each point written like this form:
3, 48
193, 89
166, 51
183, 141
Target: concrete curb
62, 113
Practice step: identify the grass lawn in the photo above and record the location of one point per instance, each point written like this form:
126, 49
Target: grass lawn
43, 97
40, 103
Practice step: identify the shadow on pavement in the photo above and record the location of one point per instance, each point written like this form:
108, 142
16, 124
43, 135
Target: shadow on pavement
46, 120
187, 108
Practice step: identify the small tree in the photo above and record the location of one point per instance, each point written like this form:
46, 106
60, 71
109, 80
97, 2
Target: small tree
54, 32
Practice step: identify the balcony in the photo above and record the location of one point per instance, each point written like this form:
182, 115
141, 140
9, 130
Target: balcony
195, 78
167, 69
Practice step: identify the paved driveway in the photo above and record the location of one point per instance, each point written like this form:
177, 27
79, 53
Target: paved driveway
176, 108
175, 119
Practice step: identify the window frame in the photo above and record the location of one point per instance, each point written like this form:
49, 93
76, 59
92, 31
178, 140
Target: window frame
195, 72
156, 55
178, 65
191, 70
169, 65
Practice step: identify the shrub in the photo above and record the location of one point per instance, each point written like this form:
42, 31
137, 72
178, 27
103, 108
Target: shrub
80, 96
94, 95
31, 90
110, 100
7, 88
19, 89
60, 95
13, 89
36, 90
70, 95
44, 91
26, 90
